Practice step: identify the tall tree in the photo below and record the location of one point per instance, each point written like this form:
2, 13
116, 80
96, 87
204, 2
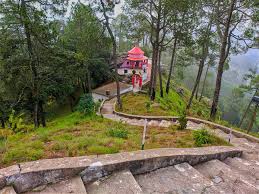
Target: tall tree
30, 36
205, 40
228, 16
105, 7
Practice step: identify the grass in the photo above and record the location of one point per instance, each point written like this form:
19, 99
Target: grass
77, 135
171, 104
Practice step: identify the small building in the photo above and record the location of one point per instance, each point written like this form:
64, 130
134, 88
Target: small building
136, 65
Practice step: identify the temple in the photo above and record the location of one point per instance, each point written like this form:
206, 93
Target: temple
136, 66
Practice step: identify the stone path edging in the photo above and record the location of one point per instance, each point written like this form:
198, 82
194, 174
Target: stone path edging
27, 176
193, 119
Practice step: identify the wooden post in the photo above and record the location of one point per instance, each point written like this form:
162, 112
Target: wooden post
144, 135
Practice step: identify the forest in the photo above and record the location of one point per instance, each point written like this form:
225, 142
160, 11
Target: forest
53, 52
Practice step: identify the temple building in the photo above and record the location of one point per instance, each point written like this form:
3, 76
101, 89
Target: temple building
136, 65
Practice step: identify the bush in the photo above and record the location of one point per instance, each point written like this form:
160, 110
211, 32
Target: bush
118, 131
16, 121
183, 122
202, 137
86, 104
4, 133
148, 106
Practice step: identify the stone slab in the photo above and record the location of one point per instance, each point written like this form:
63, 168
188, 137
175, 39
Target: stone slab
7, 190
250, 156
180, 179
245, 167
73, 185
226, 178
117, 183
42, 172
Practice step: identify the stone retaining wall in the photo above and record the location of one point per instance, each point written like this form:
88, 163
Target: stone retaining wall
192, 119
27, 176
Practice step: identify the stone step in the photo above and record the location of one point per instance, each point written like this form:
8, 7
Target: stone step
7, 190
180, 179
227, 179
251, 156
73, 185
121, 182
245, 144
245, 167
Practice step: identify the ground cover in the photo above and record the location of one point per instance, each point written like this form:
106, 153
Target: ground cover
173, 104
76, 135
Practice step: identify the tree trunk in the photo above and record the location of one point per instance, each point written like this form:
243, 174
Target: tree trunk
156, 53
2, 122
26, 23
35, 114
152, 70
198, 87
250, 103
42, 114
204, 81
198, 78
160, 75
153, 84
72, 100
171, 67
222, 59
253, 119
114, 53
89, 85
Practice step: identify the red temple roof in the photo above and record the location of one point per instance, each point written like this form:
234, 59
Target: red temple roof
136, 51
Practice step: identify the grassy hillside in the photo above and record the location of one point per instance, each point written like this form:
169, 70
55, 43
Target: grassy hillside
173, 104
75, 134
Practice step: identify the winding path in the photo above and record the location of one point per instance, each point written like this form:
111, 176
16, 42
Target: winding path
237, 138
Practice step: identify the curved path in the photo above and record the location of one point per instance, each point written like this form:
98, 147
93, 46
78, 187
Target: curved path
238, 139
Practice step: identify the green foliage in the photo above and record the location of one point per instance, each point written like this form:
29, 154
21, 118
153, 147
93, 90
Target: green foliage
118, 131
86, 104
182, 121
202, 137
16, 121
148, 106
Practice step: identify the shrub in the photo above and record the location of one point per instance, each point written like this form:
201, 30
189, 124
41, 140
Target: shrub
148, 105
202, 137
118, 131
4, 133
199, 112
86, 104
182, 121
16, 121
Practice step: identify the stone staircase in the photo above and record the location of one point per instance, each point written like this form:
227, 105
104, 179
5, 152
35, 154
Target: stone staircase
233, 175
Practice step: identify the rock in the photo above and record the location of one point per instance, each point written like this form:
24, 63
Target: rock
153, 123
165, 123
